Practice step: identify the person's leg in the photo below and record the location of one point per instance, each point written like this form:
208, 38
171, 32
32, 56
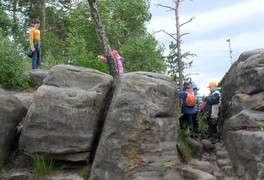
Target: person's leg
195, 123
209, 131
216, 137
190, 123
38, 62
183, 121
34, 59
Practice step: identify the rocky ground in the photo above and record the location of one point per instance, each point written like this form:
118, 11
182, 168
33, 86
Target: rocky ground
213, 163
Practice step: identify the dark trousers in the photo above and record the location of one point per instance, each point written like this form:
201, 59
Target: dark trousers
187, 120
212, 128
195, 123
36, 61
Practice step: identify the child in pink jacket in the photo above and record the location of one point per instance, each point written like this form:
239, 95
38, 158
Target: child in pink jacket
119, 61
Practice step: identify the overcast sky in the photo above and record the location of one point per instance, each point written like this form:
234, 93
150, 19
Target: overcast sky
215, 21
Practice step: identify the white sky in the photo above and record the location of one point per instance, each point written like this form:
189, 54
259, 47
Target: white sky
215, 21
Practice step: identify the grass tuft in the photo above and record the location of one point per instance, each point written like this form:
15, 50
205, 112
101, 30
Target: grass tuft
42, 167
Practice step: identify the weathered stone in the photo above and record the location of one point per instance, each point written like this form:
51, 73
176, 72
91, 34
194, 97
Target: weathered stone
244, 77
189, 173
11, 113
37, 76
196, 148
242, 110
246, 151
207, 145
64, 117
139, 136
203, 166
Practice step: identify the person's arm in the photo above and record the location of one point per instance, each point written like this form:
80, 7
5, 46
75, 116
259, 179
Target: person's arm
31, 38
182, 94
213, 99
102, 58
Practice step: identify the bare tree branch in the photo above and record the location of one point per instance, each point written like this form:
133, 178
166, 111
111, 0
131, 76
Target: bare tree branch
168, 7
187, 21
169, 34
184, 34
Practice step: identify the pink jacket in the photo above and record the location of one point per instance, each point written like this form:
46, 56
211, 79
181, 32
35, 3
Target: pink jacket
117, 57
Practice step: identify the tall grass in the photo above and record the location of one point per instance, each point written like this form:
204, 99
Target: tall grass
42, 167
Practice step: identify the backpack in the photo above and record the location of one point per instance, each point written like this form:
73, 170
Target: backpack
191, 99
29, 52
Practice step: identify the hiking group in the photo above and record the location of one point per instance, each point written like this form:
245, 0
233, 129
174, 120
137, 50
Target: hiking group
193, 106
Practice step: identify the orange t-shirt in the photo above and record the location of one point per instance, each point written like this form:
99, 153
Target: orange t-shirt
34, 35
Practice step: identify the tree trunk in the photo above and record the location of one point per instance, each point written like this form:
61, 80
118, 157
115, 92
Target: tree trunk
178, 43
103, 38
43, 16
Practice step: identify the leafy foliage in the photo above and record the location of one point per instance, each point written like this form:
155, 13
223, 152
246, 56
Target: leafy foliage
68, 32
182, 145
172, 62
126, 32
203, 126
85, 173
13, 64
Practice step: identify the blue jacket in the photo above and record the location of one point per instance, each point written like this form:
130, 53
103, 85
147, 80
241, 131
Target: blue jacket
213, 102
185, 109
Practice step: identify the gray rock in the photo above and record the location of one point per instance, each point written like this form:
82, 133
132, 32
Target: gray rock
11, 113
139, 136
203, 166
18, 175
37, 76
196, 148
242, 110
246, 152
207, 145
190, 173
65, 114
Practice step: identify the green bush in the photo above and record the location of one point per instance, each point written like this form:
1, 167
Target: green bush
182, 145
2, 164
42, 167
13, 64
203, 126
85, 173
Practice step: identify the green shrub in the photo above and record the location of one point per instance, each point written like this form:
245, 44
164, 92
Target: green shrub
2, 164
13, 64
42, 167
85, 173
203, 126
182, 145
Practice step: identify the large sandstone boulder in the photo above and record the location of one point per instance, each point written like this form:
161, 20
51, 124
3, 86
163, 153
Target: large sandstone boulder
64, 117
11, 113
139, 136
243, 112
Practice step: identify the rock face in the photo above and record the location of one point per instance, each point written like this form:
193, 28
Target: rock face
243, 112
135, 119
11, 112
139, 136
63, 119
